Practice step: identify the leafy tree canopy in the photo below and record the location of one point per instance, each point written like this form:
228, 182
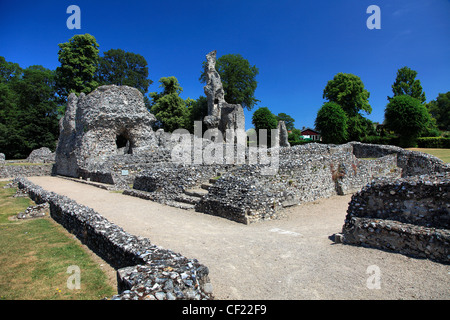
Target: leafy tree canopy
347, 90
28, 112
168, 107
288, 120
79, 60
440, 110
407, 117
238, 79
119, 67
9, 70
331, 122
406, 84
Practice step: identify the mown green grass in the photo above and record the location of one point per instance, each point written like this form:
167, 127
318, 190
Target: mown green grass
35, 256
443, 154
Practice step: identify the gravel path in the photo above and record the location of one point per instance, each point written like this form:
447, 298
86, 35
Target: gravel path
290, 258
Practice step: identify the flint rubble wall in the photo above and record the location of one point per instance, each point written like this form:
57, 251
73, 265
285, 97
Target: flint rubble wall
17, 170
409, 215
145, 271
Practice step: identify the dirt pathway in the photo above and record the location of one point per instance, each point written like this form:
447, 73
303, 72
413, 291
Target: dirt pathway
291, 258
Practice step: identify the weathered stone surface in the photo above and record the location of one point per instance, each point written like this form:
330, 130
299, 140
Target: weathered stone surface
215, 94
36, 211
409, 215
41, 155
109, 121
221, 115
283, 134
18, 170
2, 158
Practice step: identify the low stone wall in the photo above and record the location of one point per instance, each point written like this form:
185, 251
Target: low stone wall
409, 215
13, 171
306, 173
411, 162
146, 271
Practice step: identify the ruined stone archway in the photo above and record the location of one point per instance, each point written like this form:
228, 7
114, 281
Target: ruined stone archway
124, 143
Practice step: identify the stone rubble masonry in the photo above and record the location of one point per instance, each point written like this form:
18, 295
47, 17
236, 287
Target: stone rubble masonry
411, 162
18, 170
409, 215
144, 270
41, 155
306, 173
221, 115
94, 123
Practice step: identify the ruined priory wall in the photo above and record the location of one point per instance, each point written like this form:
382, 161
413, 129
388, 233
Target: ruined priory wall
408, 215
145, 271
305, 173
13, 171
411, 162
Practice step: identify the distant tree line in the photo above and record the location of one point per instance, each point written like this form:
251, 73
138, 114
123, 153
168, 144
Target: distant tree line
32, 100
407, 117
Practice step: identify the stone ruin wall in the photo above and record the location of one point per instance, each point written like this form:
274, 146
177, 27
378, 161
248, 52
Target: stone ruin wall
408, 215
306, 173
144, 270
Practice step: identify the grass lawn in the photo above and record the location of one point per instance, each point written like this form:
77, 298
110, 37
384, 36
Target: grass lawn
443, 154
35, 255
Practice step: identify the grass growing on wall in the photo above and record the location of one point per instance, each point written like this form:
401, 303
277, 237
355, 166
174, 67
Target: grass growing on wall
35, 255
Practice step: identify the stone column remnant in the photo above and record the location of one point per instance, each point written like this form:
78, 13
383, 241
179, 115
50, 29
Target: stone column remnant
221, 115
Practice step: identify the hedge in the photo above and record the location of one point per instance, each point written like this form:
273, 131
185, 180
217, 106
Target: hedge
433, 142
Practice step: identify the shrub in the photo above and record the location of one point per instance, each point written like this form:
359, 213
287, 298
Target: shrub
433, 142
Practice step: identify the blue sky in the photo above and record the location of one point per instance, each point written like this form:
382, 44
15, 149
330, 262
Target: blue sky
298, 46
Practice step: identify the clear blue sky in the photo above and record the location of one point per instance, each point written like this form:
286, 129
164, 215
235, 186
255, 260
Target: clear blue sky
297, 45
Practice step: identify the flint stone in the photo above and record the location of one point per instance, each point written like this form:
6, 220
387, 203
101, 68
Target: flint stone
221, 115
95, 125
283, 133
41, 155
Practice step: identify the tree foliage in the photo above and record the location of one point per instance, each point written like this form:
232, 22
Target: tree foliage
347, 90
440, 110
197, 110
122, 68
332, 123
28, 110
79, 60
263, 118
288, 120
407, 117
168, 107
238, 79
406, 84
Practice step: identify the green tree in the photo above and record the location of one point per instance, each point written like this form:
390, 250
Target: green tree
440, 110
28, 112
288, 120
347, 90
9, 70
263, 118
197, 110
123, 68
168, 107
79, 60
238, 79
407, 117
331, 122
406, 84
